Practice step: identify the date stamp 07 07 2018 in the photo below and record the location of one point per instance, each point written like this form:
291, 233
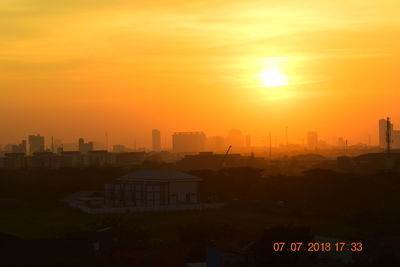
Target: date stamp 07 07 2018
317, 246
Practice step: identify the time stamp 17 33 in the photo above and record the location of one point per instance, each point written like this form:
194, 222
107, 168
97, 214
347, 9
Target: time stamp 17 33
317, 246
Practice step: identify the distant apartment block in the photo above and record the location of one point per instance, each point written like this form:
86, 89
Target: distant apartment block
129, 158
188, 142
156, 140
19, 148
211, 161
120, 149
84, 148
383, 132
394, 134
36, 143
235, 138
216, 143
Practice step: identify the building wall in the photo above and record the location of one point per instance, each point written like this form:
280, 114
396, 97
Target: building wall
183, 192
36, 143
188, 142
148, 194
156, 140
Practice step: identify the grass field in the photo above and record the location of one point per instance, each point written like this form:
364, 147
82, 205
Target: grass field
41, 220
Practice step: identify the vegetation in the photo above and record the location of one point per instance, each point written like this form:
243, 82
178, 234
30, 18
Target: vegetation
328, 203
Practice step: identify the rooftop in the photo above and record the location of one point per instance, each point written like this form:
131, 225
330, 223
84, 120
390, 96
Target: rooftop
159, 175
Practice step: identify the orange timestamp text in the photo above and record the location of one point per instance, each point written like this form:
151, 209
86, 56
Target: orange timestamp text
317, 246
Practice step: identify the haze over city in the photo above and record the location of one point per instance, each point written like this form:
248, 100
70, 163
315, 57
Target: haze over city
75, 69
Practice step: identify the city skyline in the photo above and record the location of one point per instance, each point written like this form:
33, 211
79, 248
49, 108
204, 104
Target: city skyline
234, 137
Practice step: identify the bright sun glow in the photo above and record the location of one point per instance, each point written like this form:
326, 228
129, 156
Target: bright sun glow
272, 78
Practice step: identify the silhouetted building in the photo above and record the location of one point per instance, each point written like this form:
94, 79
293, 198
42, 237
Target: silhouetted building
312, 140
99, 158
20, 148
211, 161
383, 132
152, 188
156, 140
73, 159
36, 143
57, 146
371, 162
394, 134
120, 149
216, 143
46, 160
16, 161
189, 142
395, 139
129, 158
99, 146
235, 138
84, 148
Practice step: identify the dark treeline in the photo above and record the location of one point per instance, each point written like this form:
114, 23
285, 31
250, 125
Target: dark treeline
317, 191
360, 199
368, 203
47, 184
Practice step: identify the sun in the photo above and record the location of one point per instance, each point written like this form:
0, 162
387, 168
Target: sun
272, 78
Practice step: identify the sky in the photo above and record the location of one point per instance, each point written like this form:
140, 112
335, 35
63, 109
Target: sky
80, 68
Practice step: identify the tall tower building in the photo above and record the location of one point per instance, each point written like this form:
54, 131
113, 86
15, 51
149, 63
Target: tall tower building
190, 142
36, 143
156, 140
383, 132
84, 148
235, 138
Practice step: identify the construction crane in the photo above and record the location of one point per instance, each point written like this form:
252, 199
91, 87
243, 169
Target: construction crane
226, 154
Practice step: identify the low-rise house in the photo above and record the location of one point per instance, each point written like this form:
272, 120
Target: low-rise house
209, 160
46, 160
73, 159
129, 158
149, 188
98, 158
16, 161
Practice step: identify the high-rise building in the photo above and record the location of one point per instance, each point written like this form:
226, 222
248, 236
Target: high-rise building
383, 131
394, 134
36, 143
188, 142
235, 138
216, 143
84, 148
156, 140
21, 148
312, 140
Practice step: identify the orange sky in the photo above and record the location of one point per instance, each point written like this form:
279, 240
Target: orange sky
78, 68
